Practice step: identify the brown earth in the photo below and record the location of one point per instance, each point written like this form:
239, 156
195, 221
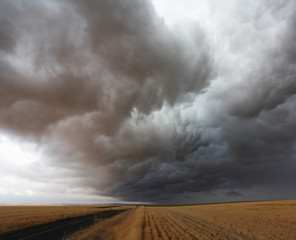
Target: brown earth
246, 221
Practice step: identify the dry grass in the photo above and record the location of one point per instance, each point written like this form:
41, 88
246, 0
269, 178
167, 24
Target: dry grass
270, 220
125, 226
19, 217
253, 220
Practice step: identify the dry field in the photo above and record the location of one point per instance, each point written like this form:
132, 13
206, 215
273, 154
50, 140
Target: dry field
19, 217
270, 220
125, 226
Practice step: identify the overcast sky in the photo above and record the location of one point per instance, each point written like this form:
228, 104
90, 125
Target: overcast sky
161, 101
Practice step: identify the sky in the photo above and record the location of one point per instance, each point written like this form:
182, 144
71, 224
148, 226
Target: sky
155, 101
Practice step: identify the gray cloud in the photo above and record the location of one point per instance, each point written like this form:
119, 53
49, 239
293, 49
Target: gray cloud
144, 112
234, 193
7, 40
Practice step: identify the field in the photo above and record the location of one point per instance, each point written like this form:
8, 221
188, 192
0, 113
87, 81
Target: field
125, 226
246, 221
19, 217
250, 220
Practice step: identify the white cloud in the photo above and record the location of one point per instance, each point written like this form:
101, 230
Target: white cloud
26, 176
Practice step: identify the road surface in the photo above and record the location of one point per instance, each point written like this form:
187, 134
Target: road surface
60, 229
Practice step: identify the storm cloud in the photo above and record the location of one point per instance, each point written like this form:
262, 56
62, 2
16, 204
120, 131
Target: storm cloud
141, 110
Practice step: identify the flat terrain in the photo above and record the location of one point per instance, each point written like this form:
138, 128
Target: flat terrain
261, 220
246, 221
14, 218
268, 220
60, 229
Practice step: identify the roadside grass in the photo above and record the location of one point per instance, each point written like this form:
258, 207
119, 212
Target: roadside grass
13, 218
124, 226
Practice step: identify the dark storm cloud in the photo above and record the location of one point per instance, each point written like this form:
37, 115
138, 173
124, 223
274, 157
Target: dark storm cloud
134, 42
144, 112
233, 193
272, 81
7, 39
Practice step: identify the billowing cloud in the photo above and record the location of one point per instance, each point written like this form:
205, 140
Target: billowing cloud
138, 109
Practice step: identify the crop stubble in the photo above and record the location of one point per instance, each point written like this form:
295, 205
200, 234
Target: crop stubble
270, 220
257, 220
274, 220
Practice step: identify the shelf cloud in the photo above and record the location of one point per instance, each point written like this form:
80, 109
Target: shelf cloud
140, 110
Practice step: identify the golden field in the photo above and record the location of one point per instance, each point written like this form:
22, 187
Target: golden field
19, 217
269, 220
125, 226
